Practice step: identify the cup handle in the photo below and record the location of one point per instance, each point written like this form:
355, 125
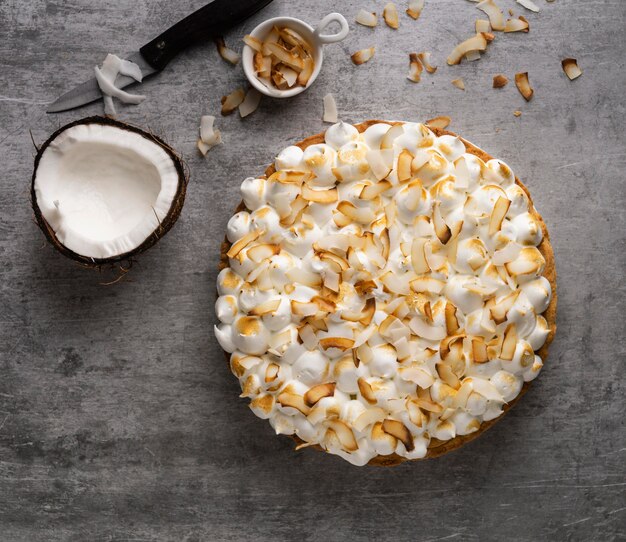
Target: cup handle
332, 38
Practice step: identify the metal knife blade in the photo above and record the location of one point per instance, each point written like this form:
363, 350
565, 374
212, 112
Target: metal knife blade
89, 91
208, 21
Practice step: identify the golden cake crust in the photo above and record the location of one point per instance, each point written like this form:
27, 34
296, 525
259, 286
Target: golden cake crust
438, 448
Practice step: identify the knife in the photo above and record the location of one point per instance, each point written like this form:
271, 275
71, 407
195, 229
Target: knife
207, 22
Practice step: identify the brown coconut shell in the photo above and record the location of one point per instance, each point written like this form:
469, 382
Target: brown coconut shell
167, 223
436, 447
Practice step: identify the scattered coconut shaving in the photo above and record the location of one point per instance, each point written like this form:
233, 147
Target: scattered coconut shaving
475, 43
425, 58
517, 25
362, 56
330, 109
366, 18
209, 136
232, 101
415, 9
517, 113
523, 85
415, 68
571, 69
390, 15
529, 4
227, 54
441, 122
106, 75
482, 25
459, 83
495, 14
283, 60
500, 81
250, 103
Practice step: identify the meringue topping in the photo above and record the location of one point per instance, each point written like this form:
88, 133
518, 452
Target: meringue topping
384, 288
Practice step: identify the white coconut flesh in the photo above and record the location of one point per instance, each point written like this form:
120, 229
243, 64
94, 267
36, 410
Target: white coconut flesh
104, 190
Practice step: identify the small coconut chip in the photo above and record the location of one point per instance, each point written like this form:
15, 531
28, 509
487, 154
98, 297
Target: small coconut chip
425, 58
475, 43
528, 4
523, 85
330, 109
250, 102
415, 9
415, 68
366, 18
495, 14
227, 54
362, 56
209, 136
459, 83
390, 15
232, 101
106, 75
517, 25
283, 60
500, 81
441, 122
517, 113
571, 69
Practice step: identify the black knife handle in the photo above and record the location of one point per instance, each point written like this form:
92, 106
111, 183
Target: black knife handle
209, 21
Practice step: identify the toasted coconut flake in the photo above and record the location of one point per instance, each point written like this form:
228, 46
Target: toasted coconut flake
281, 54
390, 15
318, 392
497, 214
232, 101
482, 25
366, 390
289, 176
301, 308
398, 429
479, 350
442, 230
452, 322
369, 417
362, 215
509, 342
372, 191
415, 9
415, 68
271, 373
517, 113
495, 14
227, 54
288, 399
472, 56
425, 58
307, 72
308, 336
344, 435
427, 285
319, 196
379, 162
242, 243
523, 85
418, 256
366, 18
261, 252
500, 81
529, 4
571, 69
330, 109
362, 56
250, 102
441, 122
516, 25
424, 330
459, 83
253, 43
342, 343
475, 43
404, 167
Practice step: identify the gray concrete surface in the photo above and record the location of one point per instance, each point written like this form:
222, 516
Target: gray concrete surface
119, 419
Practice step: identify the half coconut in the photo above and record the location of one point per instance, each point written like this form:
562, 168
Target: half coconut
104, 191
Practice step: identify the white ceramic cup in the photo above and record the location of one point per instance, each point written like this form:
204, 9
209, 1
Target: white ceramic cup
312, 35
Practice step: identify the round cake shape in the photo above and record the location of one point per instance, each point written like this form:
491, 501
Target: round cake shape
382, 291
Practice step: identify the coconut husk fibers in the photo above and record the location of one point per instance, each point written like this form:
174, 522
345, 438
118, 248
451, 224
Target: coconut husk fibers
164, 226
437, 448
